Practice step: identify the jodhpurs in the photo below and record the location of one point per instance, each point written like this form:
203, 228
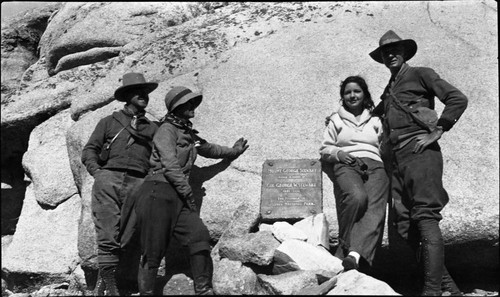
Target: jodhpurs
109, 193
162, 215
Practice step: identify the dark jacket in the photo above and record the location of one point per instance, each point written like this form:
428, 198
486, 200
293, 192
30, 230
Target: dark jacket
416, 87
128, 152
174, 152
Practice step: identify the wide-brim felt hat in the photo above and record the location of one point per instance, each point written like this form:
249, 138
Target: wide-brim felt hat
391, 38
133, 81
180, 95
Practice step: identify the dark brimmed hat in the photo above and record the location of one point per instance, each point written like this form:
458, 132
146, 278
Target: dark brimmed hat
180, 95
391, 38
133, 81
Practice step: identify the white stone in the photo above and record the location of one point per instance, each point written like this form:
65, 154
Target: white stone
283, 231
316, 229
354, 282
309, 257
266, 227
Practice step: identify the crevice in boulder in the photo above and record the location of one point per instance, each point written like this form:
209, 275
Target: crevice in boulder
14, 144
69, 56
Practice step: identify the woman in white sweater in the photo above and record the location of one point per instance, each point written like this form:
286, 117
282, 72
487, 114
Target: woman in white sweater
350, 145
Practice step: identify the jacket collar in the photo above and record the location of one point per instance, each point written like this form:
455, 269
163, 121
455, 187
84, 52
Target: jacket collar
365, 116
404, 68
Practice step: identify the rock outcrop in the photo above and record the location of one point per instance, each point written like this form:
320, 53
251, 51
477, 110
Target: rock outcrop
268, 71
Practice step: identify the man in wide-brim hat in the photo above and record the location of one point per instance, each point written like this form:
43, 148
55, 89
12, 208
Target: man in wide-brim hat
412, 155
117, 156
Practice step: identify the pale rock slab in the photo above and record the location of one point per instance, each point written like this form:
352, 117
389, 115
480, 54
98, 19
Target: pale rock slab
47, 161
294, 254
266, 227
33, 247
354, 282
287, 283
316, 229
283, 231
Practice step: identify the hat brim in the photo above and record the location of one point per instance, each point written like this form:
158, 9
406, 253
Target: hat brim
197, 98
409, 45
149, 87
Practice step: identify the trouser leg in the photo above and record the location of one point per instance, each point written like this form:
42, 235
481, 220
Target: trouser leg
190, 231
366, 234
106, 206
351, 203
420, 179
157, 211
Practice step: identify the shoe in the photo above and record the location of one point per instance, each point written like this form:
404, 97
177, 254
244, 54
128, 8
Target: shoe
349, 263
448, 285
109, 278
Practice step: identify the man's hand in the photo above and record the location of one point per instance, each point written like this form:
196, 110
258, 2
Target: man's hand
425, 140
345, 158
240, 146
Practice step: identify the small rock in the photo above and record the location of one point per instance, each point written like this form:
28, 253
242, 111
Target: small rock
354, 282
287, 283
283, 231
294, 253
316, 229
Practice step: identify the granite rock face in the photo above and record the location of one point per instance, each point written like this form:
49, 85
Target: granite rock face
269, 72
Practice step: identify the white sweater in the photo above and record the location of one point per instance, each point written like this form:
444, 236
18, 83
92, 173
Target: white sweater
345, 133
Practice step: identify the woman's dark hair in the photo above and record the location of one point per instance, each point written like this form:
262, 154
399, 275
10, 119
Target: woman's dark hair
367, 102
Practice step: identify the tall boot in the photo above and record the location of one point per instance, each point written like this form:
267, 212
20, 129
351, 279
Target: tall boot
432, 256
146, 278
449, 285
202, 270
108, 274
99, 285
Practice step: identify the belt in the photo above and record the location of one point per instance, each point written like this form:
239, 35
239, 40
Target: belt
133, 173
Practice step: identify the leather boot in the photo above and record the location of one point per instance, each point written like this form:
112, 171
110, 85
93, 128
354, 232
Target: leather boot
449, 285
146, 279
202, 270
108, 274
432, 256
99, 285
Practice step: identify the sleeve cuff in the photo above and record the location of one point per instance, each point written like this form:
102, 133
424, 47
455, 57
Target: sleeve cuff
446, 124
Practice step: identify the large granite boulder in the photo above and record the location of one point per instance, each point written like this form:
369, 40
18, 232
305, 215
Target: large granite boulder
269, 72
51, 175
45, 239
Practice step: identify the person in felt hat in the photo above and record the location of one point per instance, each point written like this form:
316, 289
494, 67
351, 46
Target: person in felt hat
350, 148
127, 136
165, 205
413, 156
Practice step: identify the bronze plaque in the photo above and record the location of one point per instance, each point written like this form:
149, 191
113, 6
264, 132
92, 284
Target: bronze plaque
291, 189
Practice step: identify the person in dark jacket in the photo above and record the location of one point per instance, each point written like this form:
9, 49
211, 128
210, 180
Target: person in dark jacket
165, 205
126, 137
412, 155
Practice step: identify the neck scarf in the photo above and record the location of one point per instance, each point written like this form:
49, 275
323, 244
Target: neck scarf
139, 127
184, 124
